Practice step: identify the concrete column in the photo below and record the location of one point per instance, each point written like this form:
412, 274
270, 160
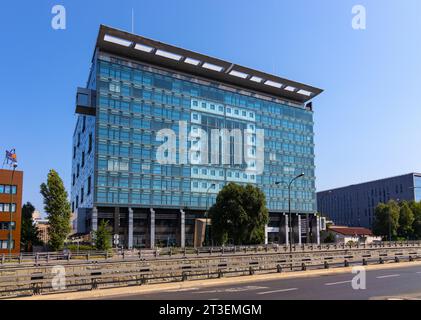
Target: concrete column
286, 230
183, 229
94, 222
266, 235
130, 231
152, 235
318, 230
299, 229
117, 220
308, 228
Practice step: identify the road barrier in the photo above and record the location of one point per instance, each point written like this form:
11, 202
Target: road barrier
53, 258
90, 275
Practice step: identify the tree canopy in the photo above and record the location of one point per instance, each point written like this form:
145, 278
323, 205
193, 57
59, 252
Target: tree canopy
58, 209
403, 219
29, 232
102, 236
239, 215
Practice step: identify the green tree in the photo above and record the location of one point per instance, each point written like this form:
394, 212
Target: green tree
406, 220
102, 236
239, 214
386, 216
58, 209
29, 232
330, 238
416, 225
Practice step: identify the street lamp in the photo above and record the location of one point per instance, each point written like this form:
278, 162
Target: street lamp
207, 211
289, 208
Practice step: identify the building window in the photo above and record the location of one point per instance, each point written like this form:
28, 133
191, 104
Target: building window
73, 179
114, 88
5, 207
7, 189
89, 185
78, 139
77, 170
77, 202
74, 152
81, 195
84, 124
90, 143
83, 159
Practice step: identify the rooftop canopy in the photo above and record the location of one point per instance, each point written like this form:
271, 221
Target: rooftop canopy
136, 47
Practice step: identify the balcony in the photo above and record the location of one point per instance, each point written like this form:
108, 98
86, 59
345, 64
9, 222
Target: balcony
86, 102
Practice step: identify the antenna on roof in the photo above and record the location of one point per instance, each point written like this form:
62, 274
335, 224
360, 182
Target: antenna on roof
132, 20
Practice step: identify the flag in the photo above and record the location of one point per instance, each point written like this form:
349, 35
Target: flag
11, 157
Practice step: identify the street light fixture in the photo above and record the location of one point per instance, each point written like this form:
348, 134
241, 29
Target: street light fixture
289, 208
207, 212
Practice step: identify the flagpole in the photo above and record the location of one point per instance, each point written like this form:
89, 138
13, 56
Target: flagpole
11, 211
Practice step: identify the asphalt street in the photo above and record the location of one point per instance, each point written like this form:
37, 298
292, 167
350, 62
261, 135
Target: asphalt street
396, 282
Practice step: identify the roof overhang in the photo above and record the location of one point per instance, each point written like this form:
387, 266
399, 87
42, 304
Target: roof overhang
139, 48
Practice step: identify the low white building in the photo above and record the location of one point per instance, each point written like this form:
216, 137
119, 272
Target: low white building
352, 234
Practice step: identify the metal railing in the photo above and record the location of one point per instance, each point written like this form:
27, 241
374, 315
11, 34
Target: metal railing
48, 258
29, 281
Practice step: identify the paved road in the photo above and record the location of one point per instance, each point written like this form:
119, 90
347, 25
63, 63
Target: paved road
396, 282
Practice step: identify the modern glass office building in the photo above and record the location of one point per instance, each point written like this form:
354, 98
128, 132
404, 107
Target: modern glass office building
355, 205
141, 95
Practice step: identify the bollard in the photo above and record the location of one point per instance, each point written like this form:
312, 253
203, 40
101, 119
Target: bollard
3, 258
185, 252
36, 259
87, 257
411, 259
364, 262
48, 257
156, 253
170, 252
20, 258
346, 264
184, 276
123, 254
279, 268
251, 271
220, 274
326, 265
68, 256
197, 251
303, 267
223, 250
140, 254
381, 261
397, 259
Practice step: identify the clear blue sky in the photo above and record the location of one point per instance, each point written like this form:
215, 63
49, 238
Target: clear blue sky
367, 120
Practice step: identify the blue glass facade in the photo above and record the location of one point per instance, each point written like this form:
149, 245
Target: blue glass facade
135, 103
129, 100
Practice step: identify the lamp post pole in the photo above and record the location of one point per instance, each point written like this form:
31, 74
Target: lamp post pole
289, 208
11, 212
207, 212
